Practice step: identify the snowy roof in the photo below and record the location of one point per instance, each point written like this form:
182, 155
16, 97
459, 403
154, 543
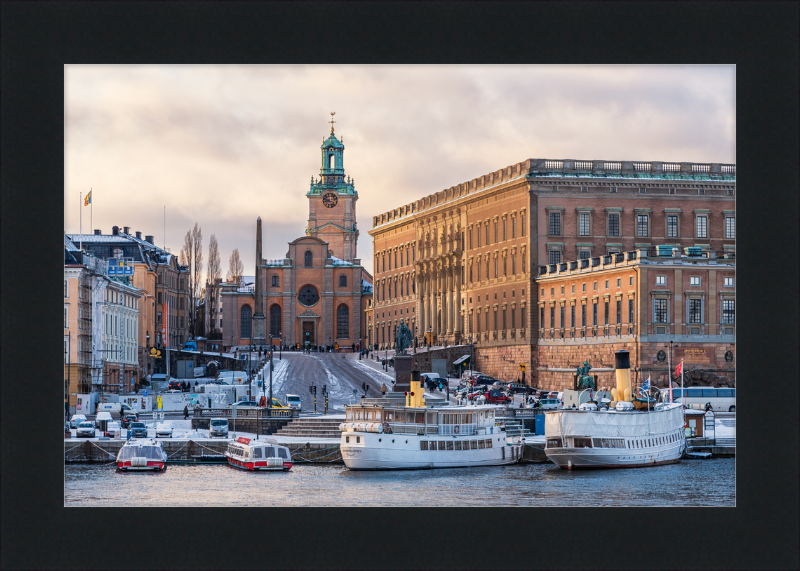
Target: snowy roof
70, 245
340, 262
365, 285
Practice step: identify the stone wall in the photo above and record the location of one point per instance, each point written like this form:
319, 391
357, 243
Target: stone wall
644, 362
421, 360
503, 362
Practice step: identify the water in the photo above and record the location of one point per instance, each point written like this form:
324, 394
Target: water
688, 483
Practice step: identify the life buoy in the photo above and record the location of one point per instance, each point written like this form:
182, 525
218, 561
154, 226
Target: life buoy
386, 427
455, 429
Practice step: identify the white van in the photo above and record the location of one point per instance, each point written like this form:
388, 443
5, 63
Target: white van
293, 401
114, 408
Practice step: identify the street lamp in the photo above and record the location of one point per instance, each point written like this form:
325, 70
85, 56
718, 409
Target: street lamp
280, 347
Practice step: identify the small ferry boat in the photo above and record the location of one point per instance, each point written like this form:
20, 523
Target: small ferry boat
142, 454
253, 455
392, 437
617, 437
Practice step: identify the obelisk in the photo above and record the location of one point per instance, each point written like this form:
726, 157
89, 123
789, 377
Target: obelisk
259, 320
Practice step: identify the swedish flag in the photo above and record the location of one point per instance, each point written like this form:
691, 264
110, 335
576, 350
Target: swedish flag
88, 200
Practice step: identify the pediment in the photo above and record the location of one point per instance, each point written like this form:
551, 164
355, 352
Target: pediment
308, 313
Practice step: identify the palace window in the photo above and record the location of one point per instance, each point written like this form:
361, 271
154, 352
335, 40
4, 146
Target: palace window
702, 227
274, 281
694, 280
641, 225
728, 282
613, 224
343, 322
247, 315
552, 316
572, 316
513, 226
583, 224
513, 264
695, 310
672, 226
479, 235
541, 317
487, 318
275, 320
584, 254
728, 311
659, 311
504, 266
555, 256
495, 267
730, 228
504, 318
522, 225
605, 313
342, 281
505, 235
555, 224
308, 259
495, 232
619, 311
594, 313
583, 316
661, 280
562, 317
470, 238
630, 311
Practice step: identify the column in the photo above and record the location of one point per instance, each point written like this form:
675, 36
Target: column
420, 303
457, 312
448, 301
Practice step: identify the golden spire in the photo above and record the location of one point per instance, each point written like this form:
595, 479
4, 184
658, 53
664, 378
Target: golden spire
332, 121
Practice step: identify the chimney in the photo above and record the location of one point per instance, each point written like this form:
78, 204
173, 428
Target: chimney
115, 230
148, 239
126, 229
138, 235
98, 233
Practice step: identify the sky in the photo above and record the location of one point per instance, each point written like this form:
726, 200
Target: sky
221, 145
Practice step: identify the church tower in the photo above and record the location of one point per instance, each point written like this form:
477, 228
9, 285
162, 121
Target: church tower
332, 202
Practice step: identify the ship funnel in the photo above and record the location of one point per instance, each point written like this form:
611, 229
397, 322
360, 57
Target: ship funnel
622, 365
414, 396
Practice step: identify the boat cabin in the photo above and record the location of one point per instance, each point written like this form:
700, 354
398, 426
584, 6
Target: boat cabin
258, 454
455, 421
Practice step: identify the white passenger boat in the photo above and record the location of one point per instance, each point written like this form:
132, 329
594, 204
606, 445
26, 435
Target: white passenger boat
391, 437
258, 455
140, 454
619, 437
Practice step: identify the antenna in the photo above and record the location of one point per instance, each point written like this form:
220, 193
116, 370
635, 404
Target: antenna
332, 121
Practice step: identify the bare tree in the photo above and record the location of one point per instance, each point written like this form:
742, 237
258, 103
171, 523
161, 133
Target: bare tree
235, 269
191, 256
213, 274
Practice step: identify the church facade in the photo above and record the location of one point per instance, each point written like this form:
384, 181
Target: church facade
318, 291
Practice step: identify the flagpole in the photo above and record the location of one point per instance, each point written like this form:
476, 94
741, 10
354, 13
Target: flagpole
80, 212
683, 395
91, 210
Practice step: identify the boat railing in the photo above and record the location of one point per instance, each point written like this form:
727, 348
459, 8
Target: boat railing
458, 429
413, 428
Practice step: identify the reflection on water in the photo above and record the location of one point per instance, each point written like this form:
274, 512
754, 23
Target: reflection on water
688, 483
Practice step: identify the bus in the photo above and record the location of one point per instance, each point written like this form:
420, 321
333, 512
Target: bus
721, 399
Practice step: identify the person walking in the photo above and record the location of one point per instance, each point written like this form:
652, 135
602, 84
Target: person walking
185, 412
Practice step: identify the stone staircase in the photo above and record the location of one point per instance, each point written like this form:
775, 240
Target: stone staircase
320, 427
515, 428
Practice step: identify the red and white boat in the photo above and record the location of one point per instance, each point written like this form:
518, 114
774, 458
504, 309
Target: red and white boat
253, 455
142, 454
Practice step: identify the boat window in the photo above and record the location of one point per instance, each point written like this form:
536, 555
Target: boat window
441, 445
367, 415
449, 444
347, 439
378, 415
481, 444
420, 418
432, 418
283, 453
458, 445
554, 443
349, 414
358, 415
423, 444
390, 415
489, 443
358, 439
473, 444
247, 454
269, 452
582, 442
256, 452
490, 414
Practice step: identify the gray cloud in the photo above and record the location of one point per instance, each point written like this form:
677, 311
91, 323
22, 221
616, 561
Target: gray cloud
221, 145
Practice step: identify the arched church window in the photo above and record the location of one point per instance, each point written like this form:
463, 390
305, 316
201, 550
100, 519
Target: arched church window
332, 161
246, 324
274, 281
342, 281
275, 320
309, 259
343, 322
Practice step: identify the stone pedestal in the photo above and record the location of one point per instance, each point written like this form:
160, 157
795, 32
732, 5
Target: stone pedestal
402, 373
259, 330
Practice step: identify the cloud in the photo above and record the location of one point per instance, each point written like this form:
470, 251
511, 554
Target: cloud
222, 145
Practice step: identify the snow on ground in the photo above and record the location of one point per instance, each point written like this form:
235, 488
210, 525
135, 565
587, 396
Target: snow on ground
375, 374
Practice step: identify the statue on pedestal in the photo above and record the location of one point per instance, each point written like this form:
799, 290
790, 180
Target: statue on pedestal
585, 381
402, 338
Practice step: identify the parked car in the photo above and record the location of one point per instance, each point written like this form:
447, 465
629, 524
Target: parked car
112, 428
432, 381
493, 396
549, 404
485, 380
517, 388
76, 420
86, 429
164, 430
138, 429
218, 427
175, 386
245, 403
127, 419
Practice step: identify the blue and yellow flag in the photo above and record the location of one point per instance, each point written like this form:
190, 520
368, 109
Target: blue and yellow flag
88, 200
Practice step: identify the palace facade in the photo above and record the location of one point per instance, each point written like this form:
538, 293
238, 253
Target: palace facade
461, 265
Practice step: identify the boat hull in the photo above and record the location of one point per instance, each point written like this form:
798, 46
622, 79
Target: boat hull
404, 452
575, 458
258, 466
153, 466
